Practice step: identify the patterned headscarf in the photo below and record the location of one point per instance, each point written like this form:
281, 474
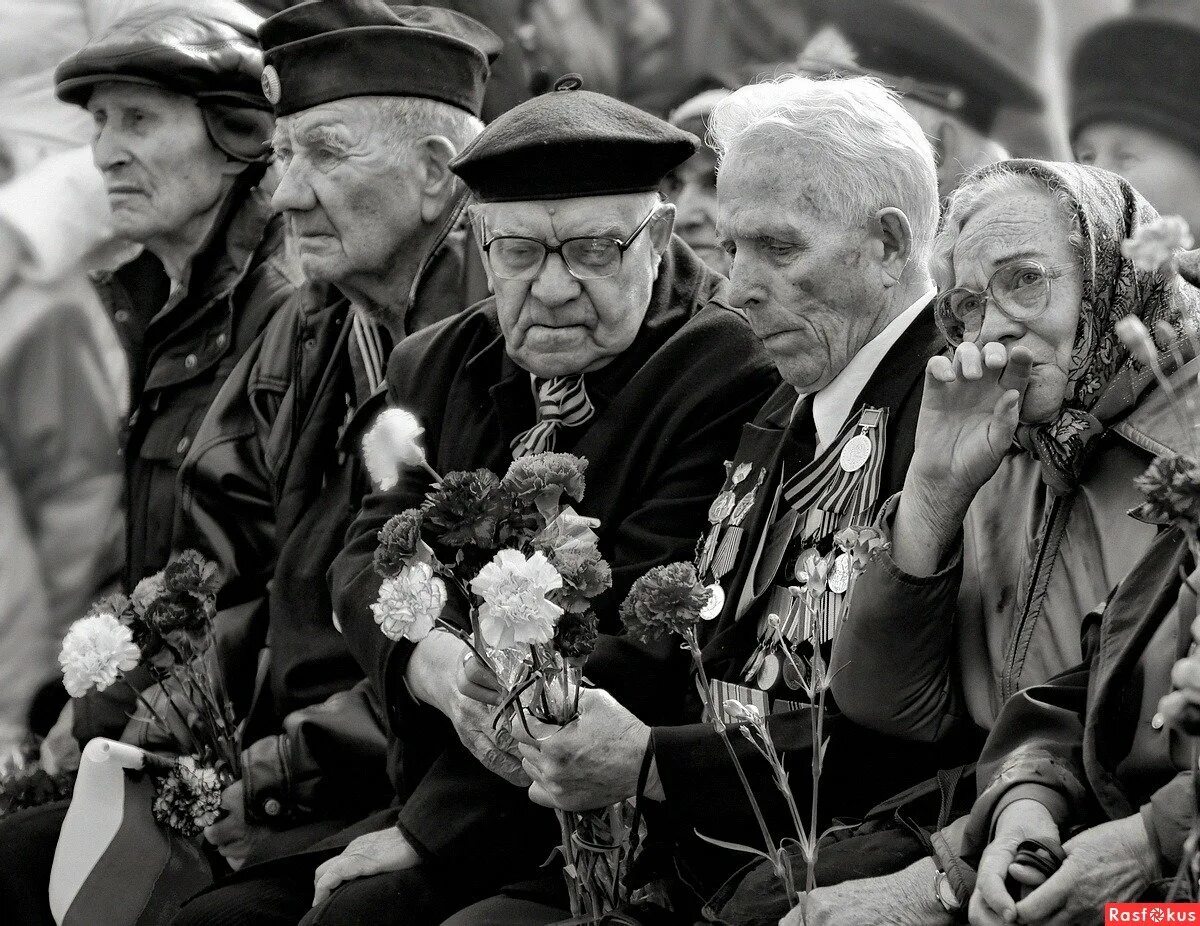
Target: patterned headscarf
1104, 380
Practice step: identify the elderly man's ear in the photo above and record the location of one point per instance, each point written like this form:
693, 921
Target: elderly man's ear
437, 183
891, 243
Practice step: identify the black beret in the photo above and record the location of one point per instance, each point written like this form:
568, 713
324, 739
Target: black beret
982, 55
325, 50
201, 48
1143, 70
571, 142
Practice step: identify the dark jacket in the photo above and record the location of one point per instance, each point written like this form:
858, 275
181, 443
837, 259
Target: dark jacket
1087, 744
268, 490
182, 348
668, 411
703, 793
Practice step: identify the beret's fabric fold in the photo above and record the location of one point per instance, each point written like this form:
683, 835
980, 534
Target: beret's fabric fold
571, 142
318, 52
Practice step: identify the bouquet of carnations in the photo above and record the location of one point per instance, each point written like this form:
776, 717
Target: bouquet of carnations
525, 567
166, 628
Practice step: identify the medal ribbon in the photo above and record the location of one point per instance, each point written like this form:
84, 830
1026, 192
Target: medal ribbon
841, 491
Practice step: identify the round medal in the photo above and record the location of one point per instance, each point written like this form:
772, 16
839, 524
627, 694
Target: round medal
791, 676
802, 564
716, 601
839, 575
856, 453
768, 675
720, 508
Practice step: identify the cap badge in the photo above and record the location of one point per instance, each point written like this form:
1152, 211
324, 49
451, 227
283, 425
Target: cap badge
270, 84
569, 82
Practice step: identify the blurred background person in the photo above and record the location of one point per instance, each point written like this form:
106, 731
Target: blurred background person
692, 186
1135, 103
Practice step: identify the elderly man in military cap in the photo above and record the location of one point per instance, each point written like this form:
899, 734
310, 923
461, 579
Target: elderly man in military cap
606, 338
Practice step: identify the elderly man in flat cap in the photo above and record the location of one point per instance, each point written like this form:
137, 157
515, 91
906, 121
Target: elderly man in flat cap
606, 338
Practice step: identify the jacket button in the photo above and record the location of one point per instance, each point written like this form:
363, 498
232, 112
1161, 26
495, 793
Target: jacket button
183, 444
271, 807
190, 361
1157, 721
121, 315
221, 339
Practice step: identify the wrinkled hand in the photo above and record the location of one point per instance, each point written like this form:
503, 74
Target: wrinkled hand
906, 897
991, 902
1110, 862
475, 725
232, 836
477, 682
969, 414
369, 854
592, 762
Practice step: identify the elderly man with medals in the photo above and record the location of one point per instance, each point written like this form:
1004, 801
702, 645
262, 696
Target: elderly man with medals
830, 263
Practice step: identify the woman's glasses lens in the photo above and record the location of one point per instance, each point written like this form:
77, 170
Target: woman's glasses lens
1021, 289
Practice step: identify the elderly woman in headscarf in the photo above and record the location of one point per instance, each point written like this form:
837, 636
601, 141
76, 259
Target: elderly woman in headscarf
1013, 521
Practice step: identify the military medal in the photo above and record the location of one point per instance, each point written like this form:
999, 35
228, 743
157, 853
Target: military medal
839, 575
718, 511
855, 454
731, 543
768, 674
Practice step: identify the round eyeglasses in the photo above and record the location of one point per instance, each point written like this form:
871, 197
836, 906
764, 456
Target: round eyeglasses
513, 257
1020, 289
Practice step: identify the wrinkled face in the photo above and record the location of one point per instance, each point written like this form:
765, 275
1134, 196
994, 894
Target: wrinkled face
1166, 173
692, 187
350, 198
811, 287
555, 325
159, 166
1027, 225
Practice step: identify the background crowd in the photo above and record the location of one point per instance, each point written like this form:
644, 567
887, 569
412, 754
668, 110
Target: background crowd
201, 374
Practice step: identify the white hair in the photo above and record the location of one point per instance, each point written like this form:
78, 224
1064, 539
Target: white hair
980, 191
404, 119
861, 147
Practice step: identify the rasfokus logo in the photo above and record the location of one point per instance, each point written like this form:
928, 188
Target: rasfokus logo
1152, 913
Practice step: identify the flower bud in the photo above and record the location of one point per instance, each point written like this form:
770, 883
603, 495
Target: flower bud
392, 442
1133, 334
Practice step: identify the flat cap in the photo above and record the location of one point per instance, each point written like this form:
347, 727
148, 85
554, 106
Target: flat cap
325, 50
201, 48
1142, 70
571, 142
971, 58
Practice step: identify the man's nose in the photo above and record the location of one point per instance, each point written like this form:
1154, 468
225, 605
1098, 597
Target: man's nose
108, 148
747, 289
555, 285
294, 193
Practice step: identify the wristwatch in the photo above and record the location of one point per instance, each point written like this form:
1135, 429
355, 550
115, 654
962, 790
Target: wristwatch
955, 878
945, 893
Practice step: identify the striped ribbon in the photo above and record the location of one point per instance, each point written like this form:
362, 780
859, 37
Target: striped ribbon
841, 492
368, 340
562, 402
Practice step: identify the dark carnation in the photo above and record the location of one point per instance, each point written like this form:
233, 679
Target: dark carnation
1171, 485
191, 574
397, 542
117, 604
585, 574
575, 635
546, 477
666, 600
464, 508
33, 787
188, 798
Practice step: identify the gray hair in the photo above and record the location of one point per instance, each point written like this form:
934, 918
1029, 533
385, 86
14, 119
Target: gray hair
996, 184
402, 120
867, 152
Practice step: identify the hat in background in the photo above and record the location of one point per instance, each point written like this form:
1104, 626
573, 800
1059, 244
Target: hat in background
571, 142
692, 114
968, 57
1143, 70
206, 49
317, 52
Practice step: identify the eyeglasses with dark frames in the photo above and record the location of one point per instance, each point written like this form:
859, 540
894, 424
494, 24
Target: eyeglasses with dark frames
515, 257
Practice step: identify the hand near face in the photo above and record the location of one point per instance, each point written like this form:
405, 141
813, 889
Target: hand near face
1110, 862
969, 414
369, 854
991, 902
592, 762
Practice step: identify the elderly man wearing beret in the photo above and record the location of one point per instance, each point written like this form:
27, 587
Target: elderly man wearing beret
606, 338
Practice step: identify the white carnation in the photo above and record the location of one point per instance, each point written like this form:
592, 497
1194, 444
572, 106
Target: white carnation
393, 442
95, 651
409, 604
515, 608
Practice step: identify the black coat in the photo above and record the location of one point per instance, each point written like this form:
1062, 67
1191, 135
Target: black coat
668, 411
702, 789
